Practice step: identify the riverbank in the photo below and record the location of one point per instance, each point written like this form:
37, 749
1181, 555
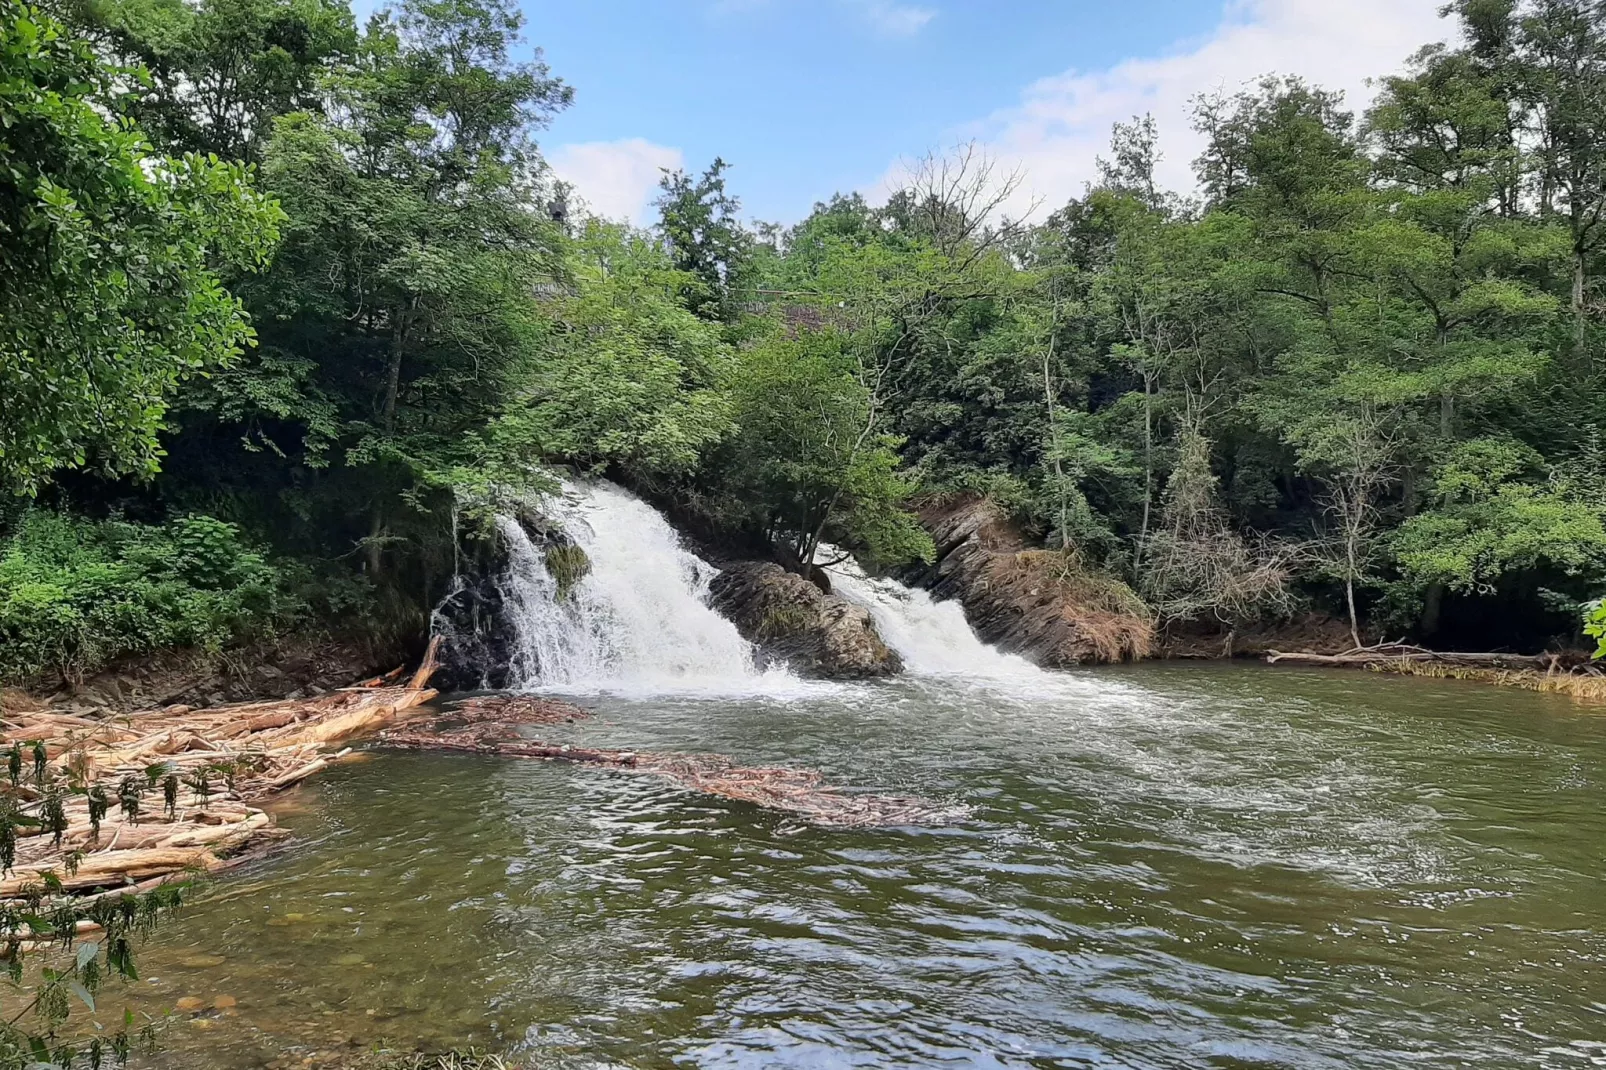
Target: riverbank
123, 803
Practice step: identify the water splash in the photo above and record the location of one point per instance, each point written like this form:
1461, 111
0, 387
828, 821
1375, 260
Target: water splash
932, 637
638, 622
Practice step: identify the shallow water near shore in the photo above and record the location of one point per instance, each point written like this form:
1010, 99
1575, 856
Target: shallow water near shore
1161, 866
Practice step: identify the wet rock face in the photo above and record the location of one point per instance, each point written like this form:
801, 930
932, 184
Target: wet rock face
1025, 600
478, 643
794, 621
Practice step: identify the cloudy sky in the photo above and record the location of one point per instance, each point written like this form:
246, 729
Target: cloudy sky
807, 97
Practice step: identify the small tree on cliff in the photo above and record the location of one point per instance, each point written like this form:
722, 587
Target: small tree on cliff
810, 462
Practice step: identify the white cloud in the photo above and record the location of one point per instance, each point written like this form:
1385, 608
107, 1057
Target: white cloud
1062, 122
893, 19
615, 179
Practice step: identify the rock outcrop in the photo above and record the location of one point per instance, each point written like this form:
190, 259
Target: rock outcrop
793, 621
480, 641
1029, 601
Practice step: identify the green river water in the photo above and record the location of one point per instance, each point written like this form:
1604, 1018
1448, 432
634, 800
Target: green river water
1162, 866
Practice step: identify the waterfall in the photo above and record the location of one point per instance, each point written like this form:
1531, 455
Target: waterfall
932, 637
637, 622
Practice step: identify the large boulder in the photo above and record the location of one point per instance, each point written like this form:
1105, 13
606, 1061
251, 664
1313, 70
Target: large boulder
1028, 601
793, 621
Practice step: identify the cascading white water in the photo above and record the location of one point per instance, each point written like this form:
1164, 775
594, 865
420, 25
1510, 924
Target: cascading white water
932, 637
637, 622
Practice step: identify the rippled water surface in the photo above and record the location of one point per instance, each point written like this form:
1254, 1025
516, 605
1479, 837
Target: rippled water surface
1162, 867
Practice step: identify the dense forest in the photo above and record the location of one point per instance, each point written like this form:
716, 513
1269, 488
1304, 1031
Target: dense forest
290, 307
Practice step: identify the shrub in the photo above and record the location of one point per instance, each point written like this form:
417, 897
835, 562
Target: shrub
75, 593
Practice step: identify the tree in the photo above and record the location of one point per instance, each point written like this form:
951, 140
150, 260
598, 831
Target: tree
218, 72
403, 303
109, 257
1491, 516
809, 462
697, 221
625, 375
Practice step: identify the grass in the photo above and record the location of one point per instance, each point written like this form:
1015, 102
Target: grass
781, 621
1109, 614
1583, 686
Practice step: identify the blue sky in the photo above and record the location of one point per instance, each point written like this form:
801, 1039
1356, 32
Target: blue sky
807, 97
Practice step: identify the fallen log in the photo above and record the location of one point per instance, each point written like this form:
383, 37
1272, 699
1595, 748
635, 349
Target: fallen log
1400, 652
801, 793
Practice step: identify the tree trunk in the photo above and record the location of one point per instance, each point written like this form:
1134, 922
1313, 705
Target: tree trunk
1432, 607
1148, 469
1349, 584
393, 370
1054, 431
1579, 279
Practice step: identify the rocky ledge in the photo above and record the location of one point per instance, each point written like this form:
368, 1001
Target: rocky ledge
793, 621
1032, 602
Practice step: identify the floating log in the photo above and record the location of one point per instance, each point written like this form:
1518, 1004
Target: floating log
1403, 652
489, 726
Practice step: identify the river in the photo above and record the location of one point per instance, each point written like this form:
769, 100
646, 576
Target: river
1159, 866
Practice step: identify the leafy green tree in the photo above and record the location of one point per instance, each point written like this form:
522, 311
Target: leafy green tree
809, 462
218, 72
402, 305
625, 376
1493, 514
109, 253
698, 222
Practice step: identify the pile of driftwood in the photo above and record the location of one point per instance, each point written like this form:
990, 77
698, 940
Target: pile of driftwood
495, 726
130, 800
123, 803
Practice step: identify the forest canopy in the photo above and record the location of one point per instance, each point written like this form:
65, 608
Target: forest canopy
312, 283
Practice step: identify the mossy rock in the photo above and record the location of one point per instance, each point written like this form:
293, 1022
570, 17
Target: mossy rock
568, 565
780, 621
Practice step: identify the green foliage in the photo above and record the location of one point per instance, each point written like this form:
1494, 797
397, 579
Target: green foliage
1363, 370
75, 594
809, 461
625, 374
109, 255
698, 222
1489, 520
1595, 625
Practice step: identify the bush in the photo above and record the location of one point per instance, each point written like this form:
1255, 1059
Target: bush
75, 593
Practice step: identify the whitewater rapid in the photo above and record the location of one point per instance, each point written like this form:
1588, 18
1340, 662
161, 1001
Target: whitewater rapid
932, 637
